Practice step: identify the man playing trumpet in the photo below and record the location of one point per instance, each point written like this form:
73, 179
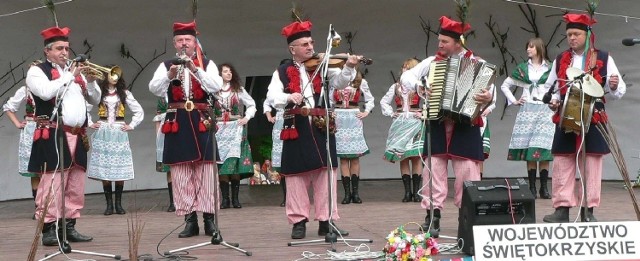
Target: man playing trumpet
51, 81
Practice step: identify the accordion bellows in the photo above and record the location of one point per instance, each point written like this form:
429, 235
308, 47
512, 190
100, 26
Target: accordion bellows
453, 83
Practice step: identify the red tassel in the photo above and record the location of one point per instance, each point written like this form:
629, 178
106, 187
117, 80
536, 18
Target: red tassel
37, 134
45, 133
293, 133
556, 118
478, 122
284, 134
201, 127
166, 127
174, 127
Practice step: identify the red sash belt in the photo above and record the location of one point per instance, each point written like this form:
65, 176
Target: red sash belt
183, 105
305, 111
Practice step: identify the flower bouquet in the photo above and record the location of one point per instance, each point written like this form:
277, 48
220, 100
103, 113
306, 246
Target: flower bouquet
404, 246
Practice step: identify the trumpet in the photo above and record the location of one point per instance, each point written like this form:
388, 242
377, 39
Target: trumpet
114, 73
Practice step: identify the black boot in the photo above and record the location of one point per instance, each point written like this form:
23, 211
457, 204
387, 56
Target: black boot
324, 227
346, 183
283, 184
532, 182
299, 230
209, 224
355, 198
406, 180
73, 235
34, 193
561, 215
107, 194
586, 215
172, 207
544, 192
49, 234
436, 220
224, 189
235, 190
417, 185
191, 227
118, 203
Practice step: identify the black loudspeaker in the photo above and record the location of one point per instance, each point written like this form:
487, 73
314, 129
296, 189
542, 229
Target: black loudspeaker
492, 202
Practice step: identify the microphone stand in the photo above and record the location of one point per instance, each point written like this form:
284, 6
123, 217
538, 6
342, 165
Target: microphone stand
331, 237
216, 239
63, 245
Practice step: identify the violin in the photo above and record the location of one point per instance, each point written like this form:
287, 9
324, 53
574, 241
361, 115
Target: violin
335, 61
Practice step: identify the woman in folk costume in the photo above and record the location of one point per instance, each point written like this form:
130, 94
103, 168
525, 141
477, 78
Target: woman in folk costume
161, 113
533, 131
276, 149
111, 159
350, 142
406, 134
233, 145
27, 128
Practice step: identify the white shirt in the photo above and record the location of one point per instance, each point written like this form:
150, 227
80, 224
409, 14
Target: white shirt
577, 59
111, 101
337, 79
74, 105
537, 91
386, 102
13, 104
210, 80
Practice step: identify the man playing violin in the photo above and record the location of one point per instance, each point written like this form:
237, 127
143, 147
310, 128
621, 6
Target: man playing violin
48, 82
582, 55
304, 153
459, 142
190, 144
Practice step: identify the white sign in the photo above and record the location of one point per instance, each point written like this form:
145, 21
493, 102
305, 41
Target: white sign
558, 241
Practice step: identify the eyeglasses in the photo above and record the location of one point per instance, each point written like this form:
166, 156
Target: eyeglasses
305, 45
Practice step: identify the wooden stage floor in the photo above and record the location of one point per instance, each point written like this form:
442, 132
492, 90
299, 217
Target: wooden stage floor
260, 226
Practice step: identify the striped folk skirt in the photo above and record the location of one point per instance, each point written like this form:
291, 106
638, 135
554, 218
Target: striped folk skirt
110, 157
405, 139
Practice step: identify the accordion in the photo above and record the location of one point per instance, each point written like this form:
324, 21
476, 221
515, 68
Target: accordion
453, 83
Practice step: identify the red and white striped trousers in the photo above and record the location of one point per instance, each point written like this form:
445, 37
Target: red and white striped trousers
194, 187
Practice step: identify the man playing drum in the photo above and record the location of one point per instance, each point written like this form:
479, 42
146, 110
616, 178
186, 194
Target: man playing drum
566, 143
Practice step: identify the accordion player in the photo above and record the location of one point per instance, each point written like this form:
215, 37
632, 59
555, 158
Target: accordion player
453, 83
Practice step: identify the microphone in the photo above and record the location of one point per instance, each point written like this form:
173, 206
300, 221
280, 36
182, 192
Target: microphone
630, 41
335, 38
546, 99
81, 58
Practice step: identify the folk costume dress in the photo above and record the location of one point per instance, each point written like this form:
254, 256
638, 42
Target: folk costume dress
406, 134
350, 141
26, 134
276, 147
565, 144
233, 145
304, 151
533, 130
189, 143
459, 142
111, 158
